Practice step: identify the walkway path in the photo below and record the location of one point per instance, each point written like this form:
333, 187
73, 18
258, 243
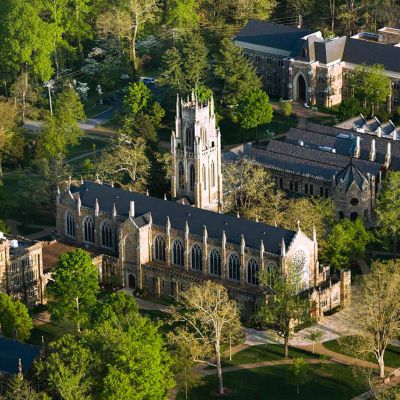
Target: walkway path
259, 364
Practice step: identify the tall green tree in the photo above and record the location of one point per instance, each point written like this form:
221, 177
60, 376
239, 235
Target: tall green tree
109, 362
183, 14
205, 314
14, 318
371, 85
125, 21
62, 128
254, 109
27, 41
72, 295
284, 306
18, 388
172, 67
388, 208
346, 243
137, 98
237, 74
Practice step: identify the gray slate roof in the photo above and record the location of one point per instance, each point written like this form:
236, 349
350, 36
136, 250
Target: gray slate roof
11, 351
327, 52
351, 174
265, 33
178, 214
366, 52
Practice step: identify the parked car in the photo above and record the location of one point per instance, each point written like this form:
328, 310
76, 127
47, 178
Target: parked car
147, 80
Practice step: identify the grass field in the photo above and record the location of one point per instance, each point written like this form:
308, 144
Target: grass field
265, 352
392, 354
325, 382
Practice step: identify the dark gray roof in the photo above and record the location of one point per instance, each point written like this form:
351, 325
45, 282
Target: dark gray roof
366, 139
269, 34
351, 174
327, 52
11, 351
366, 52
178, 214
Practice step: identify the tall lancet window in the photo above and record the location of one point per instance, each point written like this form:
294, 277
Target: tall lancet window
181, 173
106, 235
204, 178
215, 263
189, 138
234, 267
212, 174
252, 272
88, 230
192, 177
197, 257
69, 224
159, 248
178, 253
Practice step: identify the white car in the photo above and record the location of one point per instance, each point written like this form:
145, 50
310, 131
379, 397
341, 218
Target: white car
147, 80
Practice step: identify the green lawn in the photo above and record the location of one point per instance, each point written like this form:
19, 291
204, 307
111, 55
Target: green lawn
50, 332
265, 352
325, 382
392, 354
86, 146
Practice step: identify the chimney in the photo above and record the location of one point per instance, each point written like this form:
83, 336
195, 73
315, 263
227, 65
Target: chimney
372, 153
357, 149
388, 156
132, 209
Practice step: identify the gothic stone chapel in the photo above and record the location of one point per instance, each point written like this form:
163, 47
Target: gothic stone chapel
163, 246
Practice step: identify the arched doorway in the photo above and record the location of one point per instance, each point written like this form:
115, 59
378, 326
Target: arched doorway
132, 281
301, 89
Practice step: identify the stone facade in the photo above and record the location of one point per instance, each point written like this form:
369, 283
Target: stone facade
315, 71
196, 153
21, 269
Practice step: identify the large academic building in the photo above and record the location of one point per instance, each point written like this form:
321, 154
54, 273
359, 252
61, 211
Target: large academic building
163, 246
300, 65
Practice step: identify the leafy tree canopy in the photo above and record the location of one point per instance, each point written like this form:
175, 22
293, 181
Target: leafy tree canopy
14, 318
72, 295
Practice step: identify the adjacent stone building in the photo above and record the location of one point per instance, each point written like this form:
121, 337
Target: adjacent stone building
301, 65
347, 166
21, 269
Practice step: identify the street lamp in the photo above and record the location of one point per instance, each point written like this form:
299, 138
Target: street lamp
50, 85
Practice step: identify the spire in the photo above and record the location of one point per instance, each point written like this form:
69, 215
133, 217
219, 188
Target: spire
205, 233
242, 243
82, 181
165, 196
212, 105
262, 248
132, 209
186, 230
20, 370
168, 225
78, 204
150, 219
314, 234
237, 214
177, 105
112, 184
283, 248
372, 153
147, 192
97, 178
114, 211
298, 225
223, 239
357, 149
388, 156
96, 207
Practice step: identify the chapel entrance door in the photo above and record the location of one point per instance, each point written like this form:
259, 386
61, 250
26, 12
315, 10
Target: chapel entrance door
301, 89
132, 281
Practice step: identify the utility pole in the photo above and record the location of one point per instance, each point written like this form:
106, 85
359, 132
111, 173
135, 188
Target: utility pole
50, 85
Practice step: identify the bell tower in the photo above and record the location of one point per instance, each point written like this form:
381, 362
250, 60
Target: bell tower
196, 153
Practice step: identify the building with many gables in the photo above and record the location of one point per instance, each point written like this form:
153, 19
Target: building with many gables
163, 246
301, 65
345, 165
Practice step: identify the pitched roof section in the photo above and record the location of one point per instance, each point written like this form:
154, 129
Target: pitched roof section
366, 52
178, 214
351, 174
269, 34
332, 50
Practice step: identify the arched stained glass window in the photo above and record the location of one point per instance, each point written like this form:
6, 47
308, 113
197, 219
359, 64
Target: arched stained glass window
234, 267
106, 235
69, 224
215, 262
88, 228
197, 257
178, 253
159, 248
252, 272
